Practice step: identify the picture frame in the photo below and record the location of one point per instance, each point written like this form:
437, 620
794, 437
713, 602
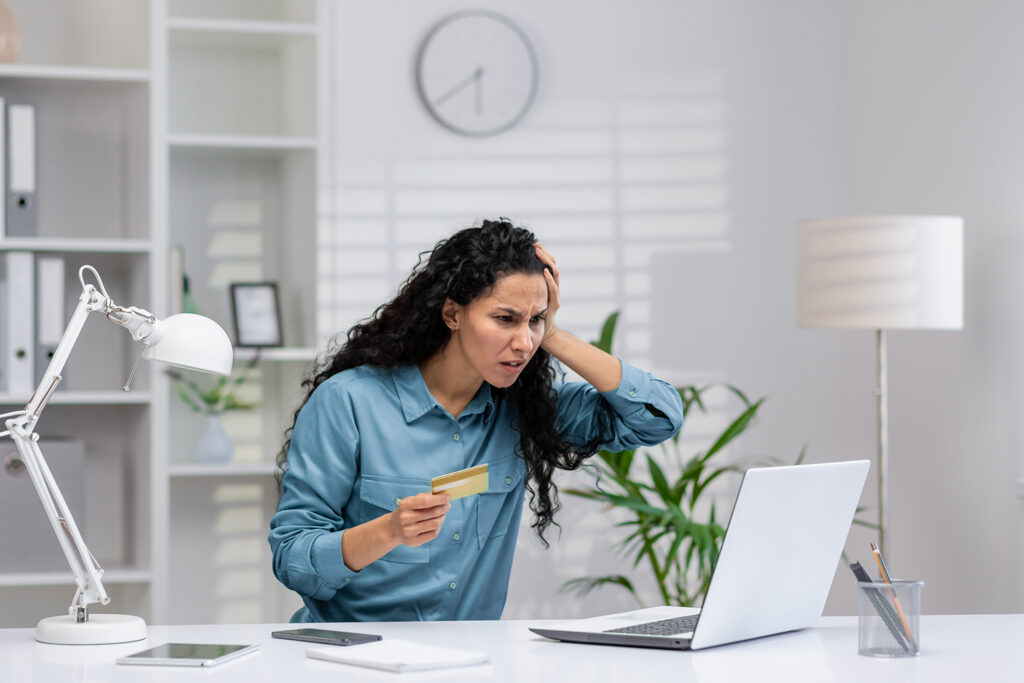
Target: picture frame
256, 314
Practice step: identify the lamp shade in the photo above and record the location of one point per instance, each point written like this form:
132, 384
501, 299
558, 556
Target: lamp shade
881, 272
193, 342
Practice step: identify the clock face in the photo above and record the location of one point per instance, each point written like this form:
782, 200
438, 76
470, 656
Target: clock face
477, 73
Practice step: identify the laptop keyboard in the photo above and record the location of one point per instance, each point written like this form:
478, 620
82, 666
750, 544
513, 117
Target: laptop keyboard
665, 627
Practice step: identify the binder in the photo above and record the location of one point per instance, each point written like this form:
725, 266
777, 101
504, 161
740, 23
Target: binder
3, 335
3, 172
21, 170
50, 311
20, 323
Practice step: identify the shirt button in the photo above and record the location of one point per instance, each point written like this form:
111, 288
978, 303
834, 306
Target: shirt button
398, 500
508, 480
452, 585
347, 580
632, 393
456, 437
456, 535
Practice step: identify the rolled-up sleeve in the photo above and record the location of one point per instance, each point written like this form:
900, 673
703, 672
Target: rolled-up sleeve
307, 529
642, 411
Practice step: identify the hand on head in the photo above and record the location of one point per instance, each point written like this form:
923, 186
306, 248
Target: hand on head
551, 277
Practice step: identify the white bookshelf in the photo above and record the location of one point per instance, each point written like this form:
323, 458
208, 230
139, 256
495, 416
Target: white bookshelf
78, 245
244, 142
242, 189
74, 74
282, 354
240, 29
70, 398
111, 576
144, 146
245, 469
92, 89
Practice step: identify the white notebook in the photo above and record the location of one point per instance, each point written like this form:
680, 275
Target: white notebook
399, 655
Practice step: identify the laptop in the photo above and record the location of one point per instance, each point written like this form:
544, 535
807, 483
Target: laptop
780, 552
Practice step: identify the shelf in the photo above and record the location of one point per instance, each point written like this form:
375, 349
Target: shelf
253, 469
110, 577
242, 142
269, 28
75, 245
91, 75
283, 354
85, 398
245, 11
253, 37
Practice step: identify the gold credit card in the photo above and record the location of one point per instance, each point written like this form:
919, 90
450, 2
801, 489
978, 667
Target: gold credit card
462, 483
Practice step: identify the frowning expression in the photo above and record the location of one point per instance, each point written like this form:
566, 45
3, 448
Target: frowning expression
498, 332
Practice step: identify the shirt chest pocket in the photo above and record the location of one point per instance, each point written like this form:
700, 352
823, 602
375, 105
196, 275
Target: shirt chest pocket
499, 503
385, 493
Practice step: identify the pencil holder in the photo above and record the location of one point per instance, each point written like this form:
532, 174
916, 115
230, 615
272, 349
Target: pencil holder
889, 619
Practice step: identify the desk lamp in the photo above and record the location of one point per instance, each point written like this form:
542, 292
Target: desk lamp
881, 273
184, 340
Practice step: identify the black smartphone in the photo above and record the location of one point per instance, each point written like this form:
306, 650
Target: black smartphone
322, 635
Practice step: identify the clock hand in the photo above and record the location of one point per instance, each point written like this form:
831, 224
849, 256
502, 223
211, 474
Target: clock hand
456, 88
479, 90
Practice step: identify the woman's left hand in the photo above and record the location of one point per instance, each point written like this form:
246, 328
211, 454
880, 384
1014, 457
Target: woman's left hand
551, 277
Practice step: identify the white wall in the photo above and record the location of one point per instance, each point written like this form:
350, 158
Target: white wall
932, 123
671, 147
760, 114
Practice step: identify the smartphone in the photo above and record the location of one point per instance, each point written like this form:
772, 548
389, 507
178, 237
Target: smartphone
321, 635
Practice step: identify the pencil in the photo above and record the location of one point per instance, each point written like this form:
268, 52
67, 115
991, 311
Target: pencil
895, 600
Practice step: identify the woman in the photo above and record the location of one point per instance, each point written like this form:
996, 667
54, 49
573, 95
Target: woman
456, 371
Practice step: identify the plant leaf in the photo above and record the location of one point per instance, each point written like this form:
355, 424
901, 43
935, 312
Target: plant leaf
661, 486
604, 342
735, 429
583, 586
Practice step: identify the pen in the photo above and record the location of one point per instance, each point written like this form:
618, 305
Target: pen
895, 600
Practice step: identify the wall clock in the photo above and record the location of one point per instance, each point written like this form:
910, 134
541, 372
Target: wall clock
476, 73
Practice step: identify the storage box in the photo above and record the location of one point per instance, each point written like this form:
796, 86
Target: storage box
27, 540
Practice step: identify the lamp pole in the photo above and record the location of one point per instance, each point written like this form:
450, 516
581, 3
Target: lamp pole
882, 399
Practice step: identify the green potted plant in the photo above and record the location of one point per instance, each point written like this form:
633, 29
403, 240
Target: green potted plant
666, 528
214, 445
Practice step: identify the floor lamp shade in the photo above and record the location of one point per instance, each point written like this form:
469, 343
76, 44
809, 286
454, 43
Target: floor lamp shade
881, 272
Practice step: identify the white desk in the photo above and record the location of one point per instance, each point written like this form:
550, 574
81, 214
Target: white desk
954, 648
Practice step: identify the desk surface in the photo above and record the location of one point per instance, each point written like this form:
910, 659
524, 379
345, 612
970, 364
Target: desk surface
954, 648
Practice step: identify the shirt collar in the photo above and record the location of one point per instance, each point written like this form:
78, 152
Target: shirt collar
417, 400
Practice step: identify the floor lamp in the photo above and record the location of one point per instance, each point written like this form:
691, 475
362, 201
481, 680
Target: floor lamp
881, 273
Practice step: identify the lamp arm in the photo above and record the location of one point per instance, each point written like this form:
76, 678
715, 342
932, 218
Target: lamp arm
86, 570
89, 301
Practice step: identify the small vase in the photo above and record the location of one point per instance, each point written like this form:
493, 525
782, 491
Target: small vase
10, 34
214, 446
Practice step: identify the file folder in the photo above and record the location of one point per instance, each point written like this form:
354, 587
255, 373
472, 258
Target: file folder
50, 311
19, 323
21, 170
3, 177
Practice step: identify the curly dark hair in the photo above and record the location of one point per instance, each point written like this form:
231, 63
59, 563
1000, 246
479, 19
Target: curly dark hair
409, 329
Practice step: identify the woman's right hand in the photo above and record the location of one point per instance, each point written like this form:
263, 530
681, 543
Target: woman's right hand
418, 519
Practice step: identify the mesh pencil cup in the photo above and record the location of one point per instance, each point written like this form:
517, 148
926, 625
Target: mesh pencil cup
889, 619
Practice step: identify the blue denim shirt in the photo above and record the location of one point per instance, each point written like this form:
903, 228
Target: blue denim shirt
370, 436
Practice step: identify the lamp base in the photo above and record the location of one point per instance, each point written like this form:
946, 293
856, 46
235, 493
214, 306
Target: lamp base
100, 629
